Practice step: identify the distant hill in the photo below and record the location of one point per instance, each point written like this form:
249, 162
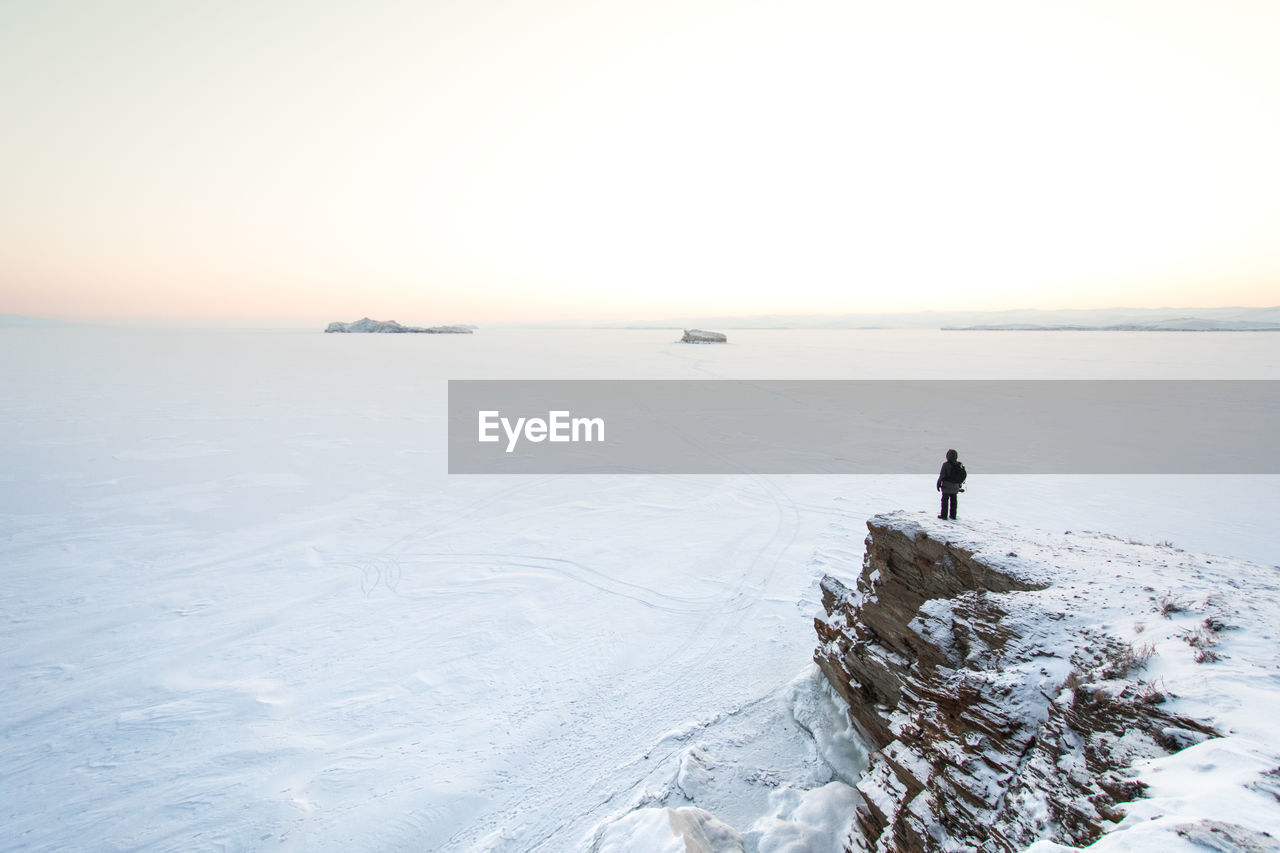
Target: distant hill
1180, 324
19, 321
1070, 319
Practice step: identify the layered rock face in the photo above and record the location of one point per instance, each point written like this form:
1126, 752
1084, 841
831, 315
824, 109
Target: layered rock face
1000, 710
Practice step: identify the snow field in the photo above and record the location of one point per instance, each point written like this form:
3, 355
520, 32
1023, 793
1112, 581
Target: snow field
243, 606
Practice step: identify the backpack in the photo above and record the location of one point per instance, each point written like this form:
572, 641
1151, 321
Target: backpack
955, 477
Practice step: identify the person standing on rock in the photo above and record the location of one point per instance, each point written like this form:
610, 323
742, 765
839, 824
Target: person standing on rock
950, 481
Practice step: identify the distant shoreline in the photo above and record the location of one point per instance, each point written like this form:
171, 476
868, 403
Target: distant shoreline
1117, 319
1118, 328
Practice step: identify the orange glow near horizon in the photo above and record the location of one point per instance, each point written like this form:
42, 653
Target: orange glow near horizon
449, 162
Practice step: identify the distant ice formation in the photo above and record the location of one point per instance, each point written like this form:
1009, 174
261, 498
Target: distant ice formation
392, 327
698, 336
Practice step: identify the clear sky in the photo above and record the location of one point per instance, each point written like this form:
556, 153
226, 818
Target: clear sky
493, 160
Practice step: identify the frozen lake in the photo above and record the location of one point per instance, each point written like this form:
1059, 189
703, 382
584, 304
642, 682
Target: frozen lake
242, 604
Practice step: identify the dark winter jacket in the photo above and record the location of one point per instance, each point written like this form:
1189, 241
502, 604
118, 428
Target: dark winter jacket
952, 472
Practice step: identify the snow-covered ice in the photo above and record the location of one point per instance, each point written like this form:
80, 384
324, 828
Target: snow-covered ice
242, 604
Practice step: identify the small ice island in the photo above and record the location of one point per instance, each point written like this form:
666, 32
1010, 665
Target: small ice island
368, 326
698, 336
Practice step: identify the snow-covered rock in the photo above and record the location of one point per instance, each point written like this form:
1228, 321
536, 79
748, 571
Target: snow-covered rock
367, 325
699, 336
667, 830
773, 776
1025, 688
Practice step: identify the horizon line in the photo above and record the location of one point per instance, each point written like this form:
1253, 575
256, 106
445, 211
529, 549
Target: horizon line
13, 320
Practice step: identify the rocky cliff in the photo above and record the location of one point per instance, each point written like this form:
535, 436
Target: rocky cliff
1000, 681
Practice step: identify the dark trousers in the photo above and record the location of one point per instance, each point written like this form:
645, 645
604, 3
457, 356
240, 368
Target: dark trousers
952, 500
